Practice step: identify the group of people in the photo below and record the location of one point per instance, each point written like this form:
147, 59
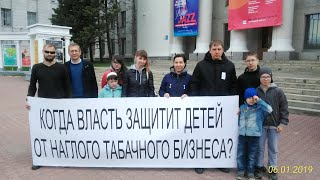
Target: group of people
263, 106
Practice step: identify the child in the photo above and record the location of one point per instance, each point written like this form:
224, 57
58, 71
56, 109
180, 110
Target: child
252, 114
273, 123
112, 88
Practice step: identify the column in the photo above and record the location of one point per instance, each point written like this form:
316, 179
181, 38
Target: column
177, 43
66, 45
40, 47
1, 56
32, 52
238, 41
282, 35
205, 26
18, 55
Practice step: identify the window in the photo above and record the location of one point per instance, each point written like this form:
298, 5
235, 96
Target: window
32, 18
123, 19
123, 46
6, 17
113, 46
312, 32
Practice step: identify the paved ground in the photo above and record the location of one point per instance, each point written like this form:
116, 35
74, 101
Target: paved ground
299, 146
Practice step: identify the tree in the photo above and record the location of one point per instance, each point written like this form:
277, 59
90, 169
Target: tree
90, 21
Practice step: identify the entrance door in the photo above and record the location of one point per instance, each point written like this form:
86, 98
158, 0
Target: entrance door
266, 40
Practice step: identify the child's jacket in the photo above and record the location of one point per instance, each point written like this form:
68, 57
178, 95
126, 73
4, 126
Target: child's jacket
251, 118
106, 92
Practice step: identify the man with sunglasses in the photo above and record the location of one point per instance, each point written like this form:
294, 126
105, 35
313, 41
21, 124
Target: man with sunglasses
52, 78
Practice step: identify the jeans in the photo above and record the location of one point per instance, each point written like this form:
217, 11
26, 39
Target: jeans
247, 153
272, 135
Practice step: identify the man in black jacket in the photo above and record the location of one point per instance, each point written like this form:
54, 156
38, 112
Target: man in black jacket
82, 75
250, 77
215, 75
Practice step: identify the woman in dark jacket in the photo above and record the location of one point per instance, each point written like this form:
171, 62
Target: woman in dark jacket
138, 79
175, 83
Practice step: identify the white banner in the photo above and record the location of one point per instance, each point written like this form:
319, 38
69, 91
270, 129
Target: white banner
135, 132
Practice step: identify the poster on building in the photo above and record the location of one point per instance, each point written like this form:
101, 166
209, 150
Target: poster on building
9, 55
154, 133
186, 17
25, 52
246, 14
59, 49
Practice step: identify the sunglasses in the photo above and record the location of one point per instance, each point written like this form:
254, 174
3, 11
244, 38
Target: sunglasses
50, 52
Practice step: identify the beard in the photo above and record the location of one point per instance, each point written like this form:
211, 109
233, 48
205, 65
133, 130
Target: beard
49, 59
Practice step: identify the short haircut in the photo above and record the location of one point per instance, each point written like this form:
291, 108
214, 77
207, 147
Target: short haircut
251, 54
215, 43
50, 45
74, 44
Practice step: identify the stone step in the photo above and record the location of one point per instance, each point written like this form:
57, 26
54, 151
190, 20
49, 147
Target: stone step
298, 85
299, 110
304, 104
302, 91
297, 80
303, 97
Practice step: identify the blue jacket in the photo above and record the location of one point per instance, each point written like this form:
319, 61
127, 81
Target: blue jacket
106, 92
175, 84
252, 117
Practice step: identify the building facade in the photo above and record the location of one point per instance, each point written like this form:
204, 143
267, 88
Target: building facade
123, 32
297, 38
16, 16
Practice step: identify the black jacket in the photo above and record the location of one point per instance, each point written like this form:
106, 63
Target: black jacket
90, 87
246, 80
279, 103
214, 78
136, 84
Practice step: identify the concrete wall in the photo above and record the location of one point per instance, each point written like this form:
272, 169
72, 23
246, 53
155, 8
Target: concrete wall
153, 19
219, 18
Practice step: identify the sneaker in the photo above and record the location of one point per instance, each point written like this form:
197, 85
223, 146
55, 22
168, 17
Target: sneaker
258, 173
251, 177
264, 169
240, 175
225, 170
199, 170
33, 167
273, 176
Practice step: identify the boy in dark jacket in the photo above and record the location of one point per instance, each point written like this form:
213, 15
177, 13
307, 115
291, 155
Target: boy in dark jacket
250, 76
273, 124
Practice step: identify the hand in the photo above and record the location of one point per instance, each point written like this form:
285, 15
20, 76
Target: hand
255, 98
279, 129
27, 106
183, 96
238, 111
167, 95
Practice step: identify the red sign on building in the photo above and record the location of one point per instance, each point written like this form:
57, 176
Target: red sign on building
246, 14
